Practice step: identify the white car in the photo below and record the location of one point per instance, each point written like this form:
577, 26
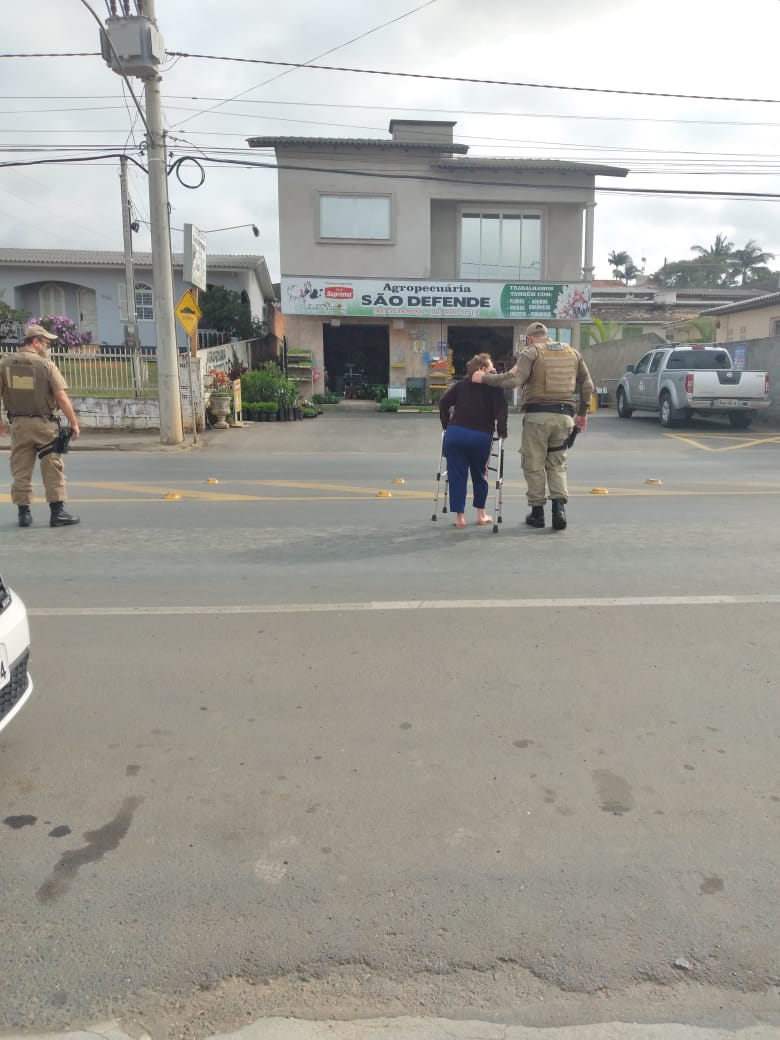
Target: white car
15, 681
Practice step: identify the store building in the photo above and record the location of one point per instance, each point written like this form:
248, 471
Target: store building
401, 258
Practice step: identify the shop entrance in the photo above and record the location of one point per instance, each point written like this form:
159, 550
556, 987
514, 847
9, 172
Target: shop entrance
357, 357
468, 340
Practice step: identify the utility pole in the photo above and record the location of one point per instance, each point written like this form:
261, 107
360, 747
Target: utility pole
133, 46
127, 238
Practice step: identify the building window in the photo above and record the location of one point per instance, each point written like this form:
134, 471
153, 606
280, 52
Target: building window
356, 217
775, 327
51, 299
144, 302
501, 246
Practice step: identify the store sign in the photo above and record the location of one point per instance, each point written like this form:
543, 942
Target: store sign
377, 298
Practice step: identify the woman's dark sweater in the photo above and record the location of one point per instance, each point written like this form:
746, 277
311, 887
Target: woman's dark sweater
474, 406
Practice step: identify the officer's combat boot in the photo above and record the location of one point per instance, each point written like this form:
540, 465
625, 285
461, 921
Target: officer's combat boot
558, 514
25, 516
59, 518
536, 517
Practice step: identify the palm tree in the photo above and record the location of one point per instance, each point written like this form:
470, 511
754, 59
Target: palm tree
618, 261
630, 271
747, 259
599, 331
716, 259
705, 327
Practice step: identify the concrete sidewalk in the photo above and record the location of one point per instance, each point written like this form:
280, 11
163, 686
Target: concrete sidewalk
131, 440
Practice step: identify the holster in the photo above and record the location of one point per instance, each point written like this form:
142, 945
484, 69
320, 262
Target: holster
568, 443
60, 445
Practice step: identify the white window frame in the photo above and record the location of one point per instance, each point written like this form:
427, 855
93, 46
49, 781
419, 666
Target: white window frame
484, 209
143, 311
373, 239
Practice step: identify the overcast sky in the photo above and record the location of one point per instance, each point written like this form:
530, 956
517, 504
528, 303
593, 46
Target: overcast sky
75, 106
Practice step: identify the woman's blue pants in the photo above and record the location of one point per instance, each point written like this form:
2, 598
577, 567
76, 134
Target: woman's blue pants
466, 451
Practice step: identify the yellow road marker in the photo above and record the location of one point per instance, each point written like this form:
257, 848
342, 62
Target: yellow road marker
211, 480
172, 496
399, 480
652, 480
599, 491
383, 494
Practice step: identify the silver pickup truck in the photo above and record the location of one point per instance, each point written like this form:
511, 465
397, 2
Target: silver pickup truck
681, 381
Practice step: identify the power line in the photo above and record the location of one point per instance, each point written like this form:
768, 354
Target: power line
416, 75
215, 162
307, 64
471, 79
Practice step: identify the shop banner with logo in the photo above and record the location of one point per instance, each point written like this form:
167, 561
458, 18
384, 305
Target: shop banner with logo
412, 298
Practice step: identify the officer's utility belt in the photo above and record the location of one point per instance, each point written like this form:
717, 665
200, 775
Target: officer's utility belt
558, 409
31, 415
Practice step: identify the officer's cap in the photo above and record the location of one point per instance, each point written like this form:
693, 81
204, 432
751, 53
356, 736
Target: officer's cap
536, 329
38, 331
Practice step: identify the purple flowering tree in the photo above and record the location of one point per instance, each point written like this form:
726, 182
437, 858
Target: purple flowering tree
66, 331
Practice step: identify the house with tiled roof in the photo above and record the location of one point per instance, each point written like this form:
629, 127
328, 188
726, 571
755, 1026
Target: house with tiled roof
89, 287
645, 307
754, 318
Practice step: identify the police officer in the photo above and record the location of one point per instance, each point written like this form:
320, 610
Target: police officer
33, 391
549, 373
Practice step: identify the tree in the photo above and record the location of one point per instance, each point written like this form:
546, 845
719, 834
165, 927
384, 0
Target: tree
716, 260
630, 271
682, 274
706, 329
10, 319
226, 311
618, 262
718, 265
599, 331
749, 263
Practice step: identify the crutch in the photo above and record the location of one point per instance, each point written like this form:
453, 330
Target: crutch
441, 472
498, 469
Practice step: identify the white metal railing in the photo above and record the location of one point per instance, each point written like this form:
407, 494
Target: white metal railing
92, 371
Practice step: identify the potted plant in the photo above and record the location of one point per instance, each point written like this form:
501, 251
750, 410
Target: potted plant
267, 410
220, 403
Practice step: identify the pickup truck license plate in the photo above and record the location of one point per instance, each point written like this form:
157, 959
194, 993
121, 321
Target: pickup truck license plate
729, 402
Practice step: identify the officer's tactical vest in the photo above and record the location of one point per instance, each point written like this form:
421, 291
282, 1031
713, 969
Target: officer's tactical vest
554, 375
27, 389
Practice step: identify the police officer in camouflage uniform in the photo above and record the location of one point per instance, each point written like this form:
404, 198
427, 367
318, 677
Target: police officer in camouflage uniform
34, 392
549, 373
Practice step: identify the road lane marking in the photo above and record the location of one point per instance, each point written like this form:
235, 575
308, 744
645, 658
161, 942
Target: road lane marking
696, 442
371, 606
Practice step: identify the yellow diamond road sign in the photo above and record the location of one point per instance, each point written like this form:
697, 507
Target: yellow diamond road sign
188, 312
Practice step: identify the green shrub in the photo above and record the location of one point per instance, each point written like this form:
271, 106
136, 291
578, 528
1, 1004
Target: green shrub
388, 404
263, 384
328, 398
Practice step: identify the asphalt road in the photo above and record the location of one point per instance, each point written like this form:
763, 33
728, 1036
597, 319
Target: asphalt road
295, 748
